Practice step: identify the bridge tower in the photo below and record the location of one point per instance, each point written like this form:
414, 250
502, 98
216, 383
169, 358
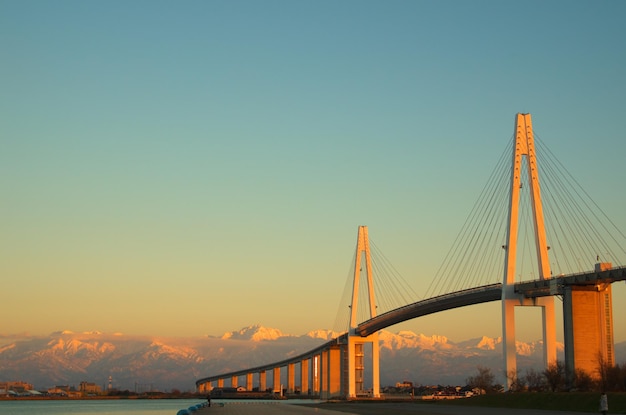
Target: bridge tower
524, 151
355, 356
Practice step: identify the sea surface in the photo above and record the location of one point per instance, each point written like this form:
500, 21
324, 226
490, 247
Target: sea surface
100, 407
112, 407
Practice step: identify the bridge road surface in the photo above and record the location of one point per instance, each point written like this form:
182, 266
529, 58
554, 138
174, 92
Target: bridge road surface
355, 408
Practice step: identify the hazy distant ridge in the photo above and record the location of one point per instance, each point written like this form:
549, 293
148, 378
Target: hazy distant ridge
165, 363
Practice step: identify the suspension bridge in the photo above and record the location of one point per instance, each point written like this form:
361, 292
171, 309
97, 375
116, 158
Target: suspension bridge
504, 239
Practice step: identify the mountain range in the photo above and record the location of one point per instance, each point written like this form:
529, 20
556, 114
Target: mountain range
157, 363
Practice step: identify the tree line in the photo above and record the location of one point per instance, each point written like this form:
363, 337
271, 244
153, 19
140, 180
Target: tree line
555, 379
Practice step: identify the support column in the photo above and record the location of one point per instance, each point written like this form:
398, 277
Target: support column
316, 373
304, 377
291, 378
262, 381
234, 382
249, 383
375, 365
588, 327
276, 381
509, 348
220, 383
324, 375
356, 365
334, 372
568, 335
549, 330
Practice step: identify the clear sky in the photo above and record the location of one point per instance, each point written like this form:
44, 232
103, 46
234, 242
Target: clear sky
190, 168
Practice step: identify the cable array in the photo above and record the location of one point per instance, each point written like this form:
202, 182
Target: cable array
476, 255
391, 290
342, 319
579, 233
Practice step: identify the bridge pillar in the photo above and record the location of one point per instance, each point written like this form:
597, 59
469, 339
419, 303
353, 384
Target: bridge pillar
323, 367
588, 327
204, 387
356, 365
249, 383
276, 381
291, 377
549, 329
315, 362
330, 373
262, 381
220, 383
334, 372
304, 377
234, 381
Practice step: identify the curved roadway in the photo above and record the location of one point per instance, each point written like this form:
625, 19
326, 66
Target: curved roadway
462, 298
484, 294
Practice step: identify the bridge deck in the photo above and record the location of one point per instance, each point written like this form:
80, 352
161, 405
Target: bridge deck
449, 301
555, 286
478, 295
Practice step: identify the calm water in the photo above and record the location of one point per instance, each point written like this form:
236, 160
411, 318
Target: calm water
112, 407
104, 407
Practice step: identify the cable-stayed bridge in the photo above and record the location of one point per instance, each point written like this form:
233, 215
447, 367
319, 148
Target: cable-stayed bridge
515, 217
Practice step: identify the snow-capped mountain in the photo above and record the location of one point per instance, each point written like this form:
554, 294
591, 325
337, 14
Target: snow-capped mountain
67, 358
255, 333
323, 334
408, 339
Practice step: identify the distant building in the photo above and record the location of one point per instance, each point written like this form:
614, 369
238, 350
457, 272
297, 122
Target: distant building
89, 388
405, 384
58, 390
64, 390
17, 387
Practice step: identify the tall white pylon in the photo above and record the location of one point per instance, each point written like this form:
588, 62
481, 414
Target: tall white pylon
524, 149
355, 342
362, 247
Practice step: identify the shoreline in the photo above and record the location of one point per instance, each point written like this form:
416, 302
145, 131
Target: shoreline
95, 398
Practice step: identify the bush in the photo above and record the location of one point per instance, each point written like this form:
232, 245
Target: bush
483, 380
535, 380
555, 376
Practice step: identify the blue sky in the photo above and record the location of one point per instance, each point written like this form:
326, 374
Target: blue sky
191, 168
